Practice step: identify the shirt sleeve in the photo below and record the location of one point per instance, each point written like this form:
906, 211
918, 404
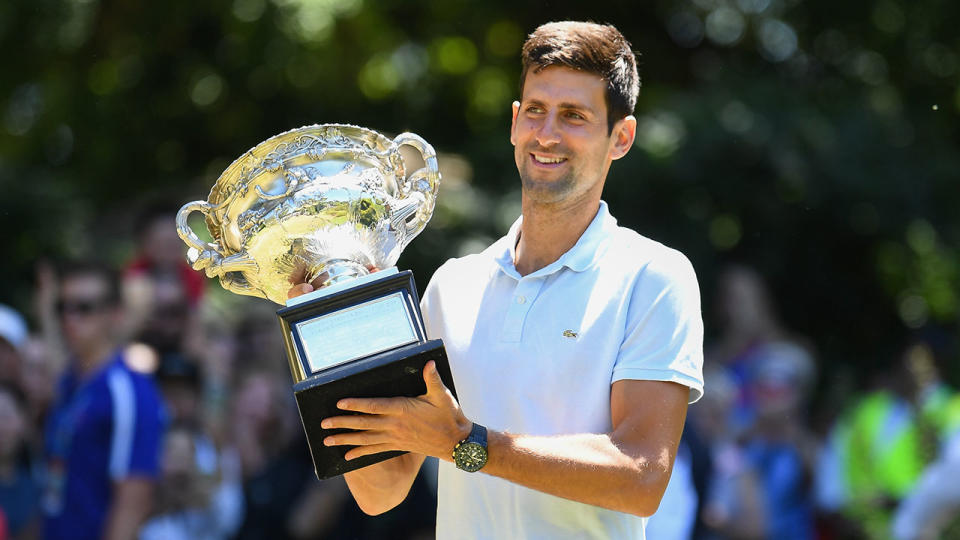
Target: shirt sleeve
663, 339
138, 423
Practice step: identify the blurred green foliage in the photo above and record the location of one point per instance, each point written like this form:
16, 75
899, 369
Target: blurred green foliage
817, 140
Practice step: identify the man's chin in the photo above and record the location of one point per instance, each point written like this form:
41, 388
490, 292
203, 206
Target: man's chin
546, 191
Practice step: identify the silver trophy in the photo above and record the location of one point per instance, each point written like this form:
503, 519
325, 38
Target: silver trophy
332, 205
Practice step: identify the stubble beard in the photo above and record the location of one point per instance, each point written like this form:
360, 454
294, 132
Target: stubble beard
546, 191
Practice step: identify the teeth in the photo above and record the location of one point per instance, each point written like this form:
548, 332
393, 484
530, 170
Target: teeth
547, 160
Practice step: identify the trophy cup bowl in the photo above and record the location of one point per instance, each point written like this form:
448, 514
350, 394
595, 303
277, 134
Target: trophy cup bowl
328, 204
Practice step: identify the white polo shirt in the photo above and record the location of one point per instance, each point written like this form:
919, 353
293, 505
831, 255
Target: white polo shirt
537, 354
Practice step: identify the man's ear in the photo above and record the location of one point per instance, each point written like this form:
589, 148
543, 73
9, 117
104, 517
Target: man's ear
624, 132
513, 122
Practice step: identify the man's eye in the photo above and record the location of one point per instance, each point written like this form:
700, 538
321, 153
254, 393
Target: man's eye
575, 116
534, 110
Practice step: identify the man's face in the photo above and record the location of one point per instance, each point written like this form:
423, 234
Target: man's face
86, 316
560, 137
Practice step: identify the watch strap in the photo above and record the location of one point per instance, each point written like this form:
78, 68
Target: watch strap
478, 434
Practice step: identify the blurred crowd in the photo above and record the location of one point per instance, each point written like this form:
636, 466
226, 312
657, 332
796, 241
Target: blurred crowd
143, 402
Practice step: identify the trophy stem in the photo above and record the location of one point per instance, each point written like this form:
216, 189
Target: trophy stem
333, 271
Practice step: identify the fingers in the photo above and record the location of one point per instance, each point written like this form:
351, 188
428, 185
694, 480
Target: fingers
372, 405
299, 289
356, 438
352, 421
432, 377
361, 451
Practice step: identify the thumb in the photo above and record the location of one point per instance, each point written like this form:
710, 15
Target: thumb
432, 377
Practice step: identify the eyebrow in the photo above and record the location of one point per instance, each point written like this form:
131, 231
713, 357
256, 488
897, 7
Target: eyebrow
565, 105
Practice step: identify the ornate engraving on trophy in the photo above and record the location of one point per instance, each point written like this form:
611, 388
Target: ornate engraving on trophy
325, 201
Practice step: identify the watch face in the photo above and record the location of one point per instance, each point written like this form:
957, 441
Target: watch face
470, 456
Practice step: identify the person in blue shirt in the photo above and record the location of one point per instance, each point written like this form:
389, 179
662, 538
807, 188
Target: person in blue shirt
103, 433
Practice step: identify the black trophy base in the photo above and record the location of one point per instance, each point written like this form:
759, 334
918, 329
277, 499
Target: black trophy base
394, 373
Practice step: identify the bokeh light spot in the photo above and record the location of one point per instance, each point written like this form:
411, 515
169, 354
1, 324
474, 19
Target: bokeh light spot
206, 90
725, 231
888, 17
921, 237
735, 117
660, 134
913, 310
490, 91
103, 77
753, 6
24, 107
725, 26
868, 66
777, 39
379, 77
685, 28
454, 55
249, 10
940, 60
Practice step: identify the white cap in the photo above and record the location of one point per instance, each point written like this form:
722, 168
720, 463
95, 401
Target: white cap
12, 326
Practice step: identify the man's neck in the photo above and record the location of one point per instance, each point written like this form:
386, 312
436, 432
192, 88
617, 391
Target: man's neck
550, 230
89, 360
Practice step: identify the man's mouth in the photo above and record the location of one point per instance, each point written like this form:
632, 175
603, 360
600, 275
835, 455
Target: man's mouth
548, 160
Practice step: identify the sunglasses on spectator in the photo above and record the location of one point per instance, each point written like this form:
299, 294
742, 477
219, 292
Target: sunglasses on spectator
81, 307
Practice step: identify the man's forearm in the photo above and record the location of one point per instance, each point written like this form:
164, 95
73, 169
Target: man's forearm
131, 504
378, 488
590, 468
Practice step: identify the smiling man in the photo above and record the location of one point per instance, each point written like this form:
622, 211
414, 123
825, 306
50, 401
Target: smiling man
575, 344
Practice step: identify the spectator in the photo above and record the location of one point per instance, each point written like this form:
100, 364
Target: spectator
194, 502
749, 322
158, 279
932, 509
878, 448
160, 252
19, 490
733, 507
38, 380
104, 430
13, 336
276, 464
779, 446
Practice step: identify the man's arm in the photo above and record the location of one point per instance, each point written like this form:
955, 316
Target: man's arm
382, 486
131, 504
625, 470
379, 487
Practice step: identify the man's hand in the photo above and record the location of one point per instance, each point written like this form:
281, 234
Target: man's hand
381, 486
431, 424
302, 287
299, 289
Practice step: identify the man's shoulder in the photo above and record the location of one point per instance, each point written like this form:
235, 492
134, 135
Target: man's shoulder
466, 266
123, 377
636, 253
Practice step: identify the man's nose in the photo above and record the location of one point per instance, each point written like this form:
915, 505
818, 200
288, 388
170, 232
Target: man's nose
548, 134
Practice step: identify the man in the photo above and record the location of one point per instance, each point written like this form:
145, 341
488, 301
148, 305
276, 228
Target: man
104, 430
575, 344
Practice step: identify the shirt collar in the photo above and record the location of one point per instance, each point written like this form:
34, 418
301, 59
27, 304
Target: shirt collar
588, 249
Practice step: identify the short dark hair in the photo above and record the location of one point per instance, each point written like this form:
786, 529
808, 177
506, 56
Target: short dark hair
594, 48
86, 267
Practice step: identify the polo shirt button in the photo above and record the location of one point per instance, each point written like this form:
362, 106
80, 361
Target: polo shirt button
521, 300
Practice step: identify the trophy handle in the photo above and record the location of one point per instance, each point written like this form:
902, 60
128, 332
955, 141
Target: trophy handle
424, 183
201, 254
206, 255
